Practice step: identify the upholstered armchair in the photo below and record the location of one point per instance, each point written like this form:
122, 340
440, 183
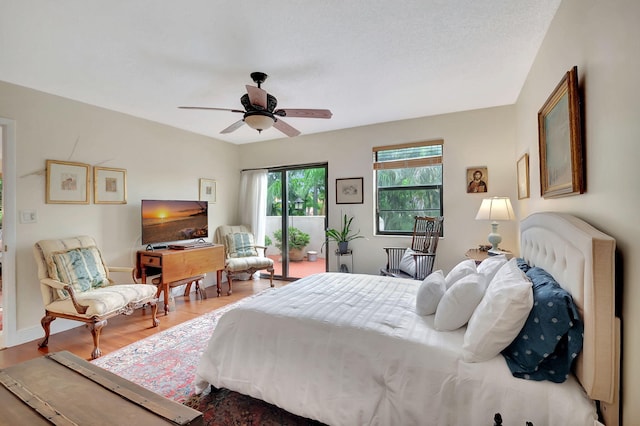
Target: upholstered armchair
241, 253
75, 285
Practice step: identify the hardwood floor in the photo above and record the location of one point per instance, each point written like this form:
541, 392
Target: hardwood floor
123, 330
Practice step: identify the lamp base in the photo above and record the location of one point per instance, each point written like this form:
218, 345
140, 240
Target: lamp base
495, 252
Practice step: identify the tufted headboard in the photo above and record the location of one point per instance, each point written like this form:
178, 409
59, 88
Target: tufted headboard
581, 259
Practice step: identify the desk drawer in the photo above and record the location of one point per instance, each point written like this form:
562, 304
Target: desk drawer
147, 260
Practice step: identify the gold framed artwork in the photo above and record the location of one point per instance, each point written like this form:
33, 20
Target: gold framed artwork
208, 190
477, 179
560, 140
67, 182
523, 176
109, 185
349, 191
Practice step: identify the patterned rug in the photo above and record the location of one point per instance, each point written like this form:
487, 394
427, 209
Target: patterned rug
222, 407
166, 362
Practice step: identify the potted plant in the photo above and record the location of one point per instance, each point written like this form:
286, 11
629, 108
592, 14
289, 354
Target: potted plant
344, 235
298, 240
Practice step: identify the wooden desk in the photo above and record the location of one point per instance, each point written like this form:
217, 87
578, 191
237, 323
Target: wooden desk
61, 388
179, 265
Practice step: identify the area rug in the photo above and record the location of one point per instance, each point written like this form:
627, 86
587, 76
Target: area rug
222, 407
166, 362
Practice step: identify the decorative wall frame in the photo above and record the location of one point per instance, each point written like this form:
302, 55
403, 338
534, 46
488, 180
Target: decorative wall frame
560, 140
208, 190
349, 191
109, 185
477, 179
522, 167
67, 182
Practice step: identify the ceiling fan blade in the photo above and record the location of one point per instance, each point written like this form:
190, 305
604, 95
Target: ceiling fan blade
210, 108
285, 128
257, 96
233, 127
306, 113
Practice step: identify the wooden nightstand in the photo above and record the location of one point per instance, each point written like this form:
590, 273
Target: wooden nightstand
480, 255
477, 255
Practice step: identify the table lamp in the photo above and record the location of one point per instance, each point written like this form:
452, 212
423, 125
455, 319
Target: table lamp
494, 209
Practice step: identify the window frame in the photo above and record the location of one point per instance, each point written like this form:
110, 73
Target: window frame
403, 164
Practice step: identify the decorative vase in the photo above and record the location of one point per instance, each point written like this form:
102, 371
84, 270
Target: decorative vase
343, 247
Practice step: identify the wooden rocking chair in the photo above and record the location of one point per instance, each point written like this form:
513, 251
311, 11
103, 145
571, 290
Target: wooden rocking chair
416, 261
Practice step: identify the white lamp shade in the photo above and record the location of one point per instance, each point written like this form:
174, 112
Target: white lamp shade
258, 121
496, 208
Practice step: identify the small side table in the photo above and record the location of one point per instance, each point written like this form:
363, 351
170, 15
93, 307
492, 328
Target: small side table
479, 255
344, 267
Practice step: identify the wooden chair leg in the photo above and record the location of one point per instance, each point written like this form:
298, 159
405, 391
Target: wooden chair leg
271, 276
96, 328
46, 325
230, 280
154, 313
200, 289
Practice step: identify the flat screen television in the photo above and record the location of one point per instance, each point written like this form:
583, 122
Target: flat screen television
165, 221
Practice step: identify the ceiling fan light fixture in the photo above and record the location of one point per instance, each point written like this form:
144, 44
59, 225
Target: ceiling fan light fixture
259, 121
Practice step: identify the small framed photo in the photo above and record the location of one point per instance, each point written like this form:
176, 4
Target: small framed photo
67, 182
477, 179
523, 177
109, 185
560, 140
349, 191
208, 190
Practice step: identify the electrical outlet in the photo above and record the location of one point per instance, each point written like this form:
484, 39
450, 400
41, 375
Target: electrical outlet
28, 216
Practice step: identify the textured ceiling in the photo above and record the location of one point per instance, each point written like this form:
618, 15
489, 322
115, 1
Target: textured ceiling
369, 61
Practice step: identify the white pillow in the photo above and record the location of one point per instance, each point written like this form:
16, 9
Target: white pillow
430, 292
462, 269
500, 315
490, 266
459, 302
407, 263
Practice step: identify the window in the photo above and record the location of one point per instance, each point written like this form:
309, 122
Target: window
408, 184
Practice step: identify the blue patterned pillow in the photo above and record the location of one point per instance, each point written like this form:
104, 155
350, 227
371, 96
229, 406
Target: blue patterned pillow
241, 244
522, 264
552, 335
81, 268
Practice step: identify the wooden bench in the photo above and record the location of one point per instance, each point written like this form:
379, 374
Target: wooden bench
63, 389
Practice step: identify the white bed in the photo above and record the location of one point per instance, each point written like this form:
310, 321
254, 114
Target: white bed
349, 349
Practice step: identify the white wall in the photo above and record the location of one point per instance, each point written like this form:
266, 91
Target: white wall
602, 39
474, 138
161, 162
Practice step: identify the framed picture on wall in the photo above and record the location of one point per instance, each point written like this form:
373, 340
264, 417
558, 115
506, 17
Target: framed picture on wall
523, 176
477, 179
109, 185
67, 182
349, 191
560, 140
208, 190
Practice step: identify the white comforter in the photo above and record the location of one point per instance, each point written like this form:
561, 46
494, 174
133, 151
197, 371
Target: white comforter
349, 349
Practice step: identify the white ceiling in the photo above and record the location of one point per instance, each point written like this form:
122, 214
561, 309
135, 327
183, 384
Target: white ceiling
369, 61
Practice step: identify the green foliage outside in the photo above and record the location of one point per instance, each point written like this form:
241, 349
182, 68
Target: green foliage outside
406, 193
297, 238
306, 185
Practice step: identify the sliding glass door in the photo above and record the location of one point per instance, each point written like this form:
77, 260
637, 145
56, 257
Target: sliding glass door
296, 220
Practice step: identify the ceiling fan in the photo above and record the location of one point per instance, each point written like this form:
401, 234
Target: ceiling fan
260, 111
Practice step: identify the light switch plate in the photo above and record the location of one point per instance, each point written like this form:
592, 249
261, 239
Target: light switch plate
28, 216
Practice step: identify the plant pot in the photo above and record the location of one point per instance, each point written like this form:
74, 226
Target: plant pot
343, 247
296, 255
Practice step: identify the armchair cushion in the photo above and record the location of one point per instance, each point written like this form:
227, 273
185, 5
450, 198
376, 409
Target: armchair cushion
239, 264
105, 300
81, 268
240, 244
